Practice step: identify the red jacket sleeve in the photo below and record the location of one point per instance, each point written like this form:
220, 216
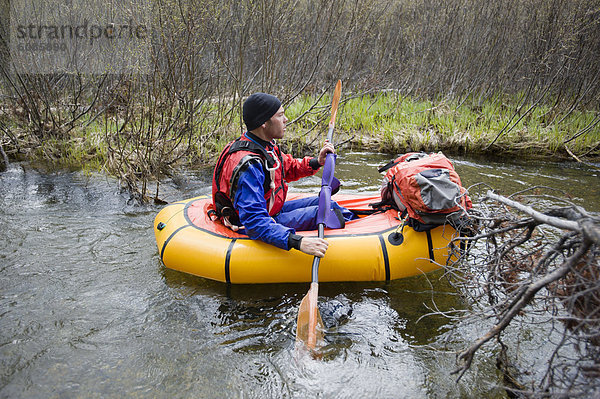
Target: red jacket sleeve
296, 169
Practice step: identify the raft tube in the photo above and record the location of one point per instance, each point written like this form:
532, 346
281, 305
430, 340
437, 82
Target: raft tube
372, 248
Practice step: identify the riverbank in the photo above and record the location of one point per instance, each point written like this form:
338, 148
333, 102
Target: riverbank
502, 127
142, 145
384, 122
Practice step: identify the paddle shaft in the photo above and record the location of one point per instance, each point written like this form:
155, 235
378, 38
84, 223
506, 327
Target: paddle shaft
331, 160
321, 227
330, 134
317, 260
312, 297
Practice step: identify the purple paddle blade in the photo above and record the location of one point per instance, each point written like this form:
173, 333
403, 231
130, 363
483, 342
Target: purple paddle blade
325, 215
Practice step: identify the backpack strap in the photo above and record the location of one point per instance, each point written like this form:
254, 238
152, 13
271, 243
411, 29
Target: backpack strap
389, 165
409, 156
248, 145
380, 206
224, 208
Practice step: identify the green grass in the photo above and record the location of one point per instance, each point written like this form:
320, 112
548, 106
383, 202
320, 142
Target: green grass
388, 122
392, 122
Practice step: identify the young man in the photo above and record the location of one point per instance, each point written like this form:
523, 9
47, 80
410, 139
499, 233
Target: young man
250, 182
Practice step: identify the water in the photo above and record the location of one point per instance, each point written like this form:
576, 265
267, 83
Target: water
88, 310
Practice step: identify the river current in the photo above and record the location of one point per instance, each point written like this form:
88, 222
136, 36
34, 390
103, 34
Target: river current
88, 310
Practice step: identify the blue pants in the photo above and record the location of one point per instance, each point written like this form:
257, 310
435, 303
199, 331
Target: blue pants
301, 214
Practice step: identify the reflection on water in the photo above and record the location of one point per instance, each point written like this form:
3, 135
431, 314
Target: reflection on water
87, 309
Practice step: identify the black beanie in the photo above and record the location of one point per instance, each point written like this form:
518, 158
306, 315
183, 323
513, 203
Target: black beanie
259, 108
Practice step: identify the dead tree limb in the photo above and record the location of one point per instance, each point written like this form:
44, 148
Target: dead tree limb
540, 217
524, 297
535, 258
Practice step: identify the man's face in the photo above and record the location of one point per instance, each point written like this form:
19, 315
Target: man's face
275, 127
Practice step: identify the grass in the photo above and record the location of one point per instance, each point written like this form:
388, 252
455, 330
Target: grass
152, 145
386, 122
393, 123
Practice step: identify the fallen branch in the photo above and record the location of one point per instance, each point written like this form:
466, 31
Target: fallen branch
538, 216
523, 299
535, 258
585, 226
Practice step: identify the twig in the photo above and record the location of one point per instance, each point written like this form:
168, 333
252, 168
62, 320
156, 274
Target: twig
523, 299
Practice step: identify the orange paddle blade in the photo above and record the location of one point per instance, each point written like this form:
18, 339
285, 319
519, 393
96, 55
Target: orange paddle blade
309, 329
335, 102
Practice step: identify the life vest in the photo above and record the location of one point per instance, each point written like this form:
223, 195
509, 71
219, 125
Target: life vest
424, 187
232, 162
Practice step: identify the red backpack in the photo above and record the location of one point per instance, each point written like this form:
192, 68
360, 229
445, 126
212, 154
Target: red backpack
426, 186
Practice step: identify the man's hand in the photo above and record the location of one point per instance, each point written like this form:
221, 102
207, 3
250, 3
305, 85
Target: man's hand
314, 246
327, 148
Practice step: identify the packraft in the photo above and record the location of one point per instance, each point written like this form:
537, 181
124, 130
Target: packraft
190, 241
425, 189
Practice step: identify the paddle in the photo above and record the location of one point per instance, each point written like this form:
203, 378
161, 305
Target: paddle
310, 326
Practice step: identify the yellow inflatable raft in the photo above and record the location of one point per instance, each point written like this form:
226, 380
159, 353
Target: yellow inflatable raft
367, 249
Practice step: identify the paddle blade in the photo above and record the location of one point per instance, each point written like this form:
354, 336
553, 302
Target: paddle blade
335, 102
309, 329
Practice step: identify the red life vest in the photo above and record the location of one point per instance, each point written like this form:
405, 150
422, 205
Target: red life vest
234, 160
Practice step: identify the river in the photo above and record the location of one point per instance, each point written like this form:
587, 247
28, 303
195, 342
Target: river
88, 310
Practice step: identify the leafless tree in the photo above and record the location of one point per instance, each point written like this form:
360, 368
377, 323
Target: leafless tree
206, 56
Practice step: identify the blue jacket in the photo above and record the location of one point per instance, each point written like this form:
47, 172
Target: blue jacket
252, 209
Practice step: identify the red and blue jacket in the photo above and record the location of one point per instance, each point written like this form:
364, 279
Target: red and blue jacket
245, 193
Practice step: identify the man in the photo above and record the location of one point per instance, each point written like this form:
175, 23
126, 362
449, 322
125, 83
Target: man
250, 182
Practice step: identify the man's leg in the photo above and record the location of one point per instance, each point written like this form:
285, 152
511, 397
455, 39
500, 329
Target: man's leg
301, 214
